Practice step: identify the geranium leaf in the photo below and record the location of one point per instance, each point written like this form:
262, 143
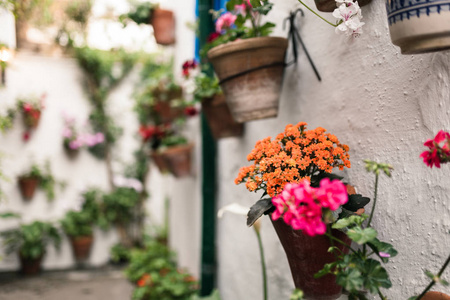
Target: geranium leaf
258, 209
375, 276
378, 246
362, 236
350, 279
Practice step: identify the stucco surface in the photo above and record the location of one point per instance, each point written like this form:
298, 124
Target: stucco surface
384, 105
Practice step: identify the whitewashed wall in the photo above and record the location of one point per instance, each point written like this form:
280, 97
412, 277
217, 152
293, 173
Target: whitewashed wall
384, 105
61, 79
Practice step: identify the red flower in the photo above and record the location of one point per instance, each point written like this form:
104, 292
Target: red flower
144, 280
212, 37
148, 132
26, 136
189, 64
190, 111
27, 107
437, 154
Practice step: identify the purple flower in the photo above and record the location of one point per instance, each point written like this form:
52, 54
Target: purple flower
384, 254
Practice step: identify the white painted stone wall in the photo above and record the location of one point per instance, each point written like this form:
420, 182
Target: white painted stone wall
384, 105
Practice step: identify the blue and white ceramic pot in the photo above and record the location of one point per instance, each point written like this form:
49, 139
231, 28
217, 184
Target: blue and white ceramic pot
419, 26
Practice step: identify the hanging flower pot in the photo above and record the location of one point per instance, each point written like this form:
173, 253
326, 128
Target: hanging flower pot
163, 22
32, 119
435, 296
28, 186
219, 118
159, 162
251, 74
164, 106
81, 246
420, 26
306, 256
178, 159
30, 266
330, 5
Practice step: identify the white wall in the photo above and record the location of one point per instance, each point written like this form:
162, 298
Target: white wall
384, 105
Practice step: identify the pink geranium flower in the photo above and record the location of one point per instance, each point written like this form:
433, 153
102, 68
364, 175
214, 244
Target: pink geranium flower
301, 206
439, 150
225, 21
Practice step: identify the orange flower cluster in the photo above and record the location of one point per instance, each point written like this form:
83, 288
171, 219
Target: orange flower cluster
293, 155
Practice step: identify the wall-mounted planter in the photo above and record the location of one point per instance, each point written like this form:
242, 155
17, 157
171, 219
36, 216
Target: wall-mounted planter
178, 160
81, 246
30, 266
28, 186
159, 162
435, 296
31, 121
72, 153
306, 256
163, 22
330, 5
419, 26
219, 118
251, 74
164, 106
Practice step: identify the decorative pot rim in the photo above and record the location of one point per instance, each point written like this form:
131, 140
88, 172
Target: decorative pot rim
177, 148
248, 44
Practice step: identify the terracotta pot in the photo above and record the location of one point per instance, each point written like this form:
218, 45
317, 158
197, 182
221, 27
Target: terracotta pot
72, 153
163, 22
306, 256
159, 162
30, 266
165, 111
419, 26
435, 296
81, 246
251, 74
32, 122
330, 5
219, 118
178, 159
28, 186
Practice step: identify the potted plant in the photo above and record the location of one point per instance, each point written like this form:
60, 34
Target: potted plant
31, 109
208, 92
153, 135
154, 272
78, 226
307, 158
418, 29
176, 152
73, 141
162, 20
38, 177
30, 242
245, 57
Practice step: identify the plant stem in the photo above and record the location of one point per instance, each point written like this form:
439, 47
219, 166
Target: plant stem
382, 297
339, 241
433, 282
374, 200
317, 14
263, 263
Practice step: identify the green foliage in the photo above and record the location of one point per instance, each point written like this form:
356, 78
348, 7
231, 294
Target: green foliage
6, 121
46, 180
173, 140
31, 10
374, 167
154, 271
117, 206
206, 87
140, 13
119, 253
79, 11
31, 239
296, 295
139, 168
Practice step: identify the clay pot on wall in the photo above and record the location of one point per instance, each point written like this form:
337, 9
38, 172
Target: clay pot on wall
81, 246
30, 266
164, 108
159, 162
178, 160
28, 186
306, 256
32, 121
219, 118
251, 74
420, 26
330, 5
435, 296
163, 22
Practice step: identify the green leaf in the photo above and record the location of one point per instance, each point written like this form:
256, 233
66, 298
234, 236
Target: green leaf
362, 236
377, 246
7, 215
350, 279
375, 276
356, 202
349, 221
412, 298
327, 269
263, 9
255, 3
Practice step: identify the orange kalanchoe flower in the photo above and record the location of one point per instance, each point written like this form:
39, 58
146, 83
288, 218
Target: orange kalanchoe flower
293, 155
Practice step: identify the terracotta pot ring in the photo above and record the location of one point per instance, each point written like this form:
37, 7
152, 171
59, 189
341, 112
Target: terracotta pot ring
277, 64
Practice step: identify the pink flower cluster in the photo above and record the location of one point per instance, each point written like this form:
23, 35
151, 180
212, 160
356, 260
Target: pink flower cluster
241, 9
225, 21
77, 141
301, 206
439, 150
